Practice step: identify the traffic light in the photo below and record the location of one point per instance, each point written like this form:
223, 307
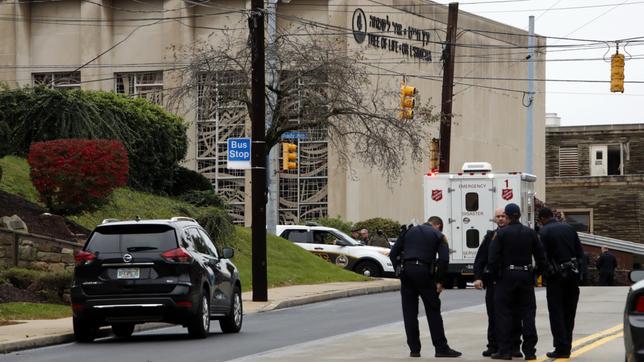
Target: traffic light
407, 101
289, 156
617, 73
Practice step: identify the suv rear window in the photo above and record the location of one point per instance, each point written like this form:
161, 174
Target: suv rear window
132, 238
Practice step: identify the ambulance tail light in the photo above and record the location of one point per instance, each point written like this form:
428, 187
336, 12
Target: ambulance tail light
433, 172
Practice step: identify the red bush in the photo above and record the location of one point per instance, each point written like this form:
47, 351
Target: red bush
74, 174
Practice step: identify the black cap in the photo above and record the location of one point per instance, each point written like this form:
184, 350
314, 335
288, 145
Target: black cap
355, 229
546, 212
512, 209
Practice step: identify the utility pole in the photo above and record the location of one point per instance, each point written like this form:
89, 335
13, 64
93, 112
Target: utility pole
272, 176
448, 84
529, 136
258, 155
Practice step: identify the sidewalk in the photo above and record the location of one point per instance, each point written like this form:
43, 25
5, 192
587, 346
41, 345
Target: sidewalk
40, 333
599, 314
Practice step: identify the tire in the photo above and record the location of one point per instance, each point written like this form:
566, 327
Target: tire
368, 266
84, 331
199, 324
123, 330
232, 322
461, 282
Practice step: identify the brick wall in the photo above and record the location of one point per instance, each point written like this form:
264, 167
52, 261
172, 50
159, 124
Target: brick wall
583, 137
36, 251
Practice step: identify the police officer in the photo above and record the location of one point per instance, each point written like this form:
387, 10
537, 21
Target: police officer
510, 259
564, 255
483, 279
417, 249
606, 264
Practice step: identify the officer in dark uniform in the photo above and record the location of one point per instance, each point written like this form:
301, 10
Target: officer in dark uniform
510, 260
564, 255
417, 249
483, 279
606, 265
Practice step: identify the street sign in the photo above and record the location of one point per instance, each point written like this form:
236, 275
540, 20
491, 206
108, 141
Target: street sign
239, 153
292, 135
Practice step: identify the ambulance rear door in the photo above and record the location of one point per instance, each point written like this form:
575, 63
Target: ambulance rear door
473, 210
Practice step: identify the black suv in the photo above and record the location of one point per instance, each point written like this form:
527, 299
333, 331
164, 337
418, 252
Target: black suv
139, 271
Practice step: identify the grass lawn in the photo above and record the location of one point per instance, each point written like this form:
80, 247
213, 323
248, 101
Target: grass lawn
19, 311
288, 264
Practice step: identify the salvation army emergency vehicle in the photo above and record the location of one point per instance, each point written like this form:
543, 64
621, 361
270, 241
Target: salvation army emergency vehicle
466, 201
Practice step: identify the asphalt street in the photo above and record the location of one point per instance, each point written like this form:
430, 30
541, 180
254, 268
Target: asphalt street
261, 332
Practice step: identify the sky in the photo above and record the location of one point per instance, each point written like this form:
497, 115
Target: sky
575, 102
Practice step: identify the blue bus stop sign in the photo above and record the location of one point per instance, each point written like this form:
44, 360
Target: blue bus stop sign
239, 153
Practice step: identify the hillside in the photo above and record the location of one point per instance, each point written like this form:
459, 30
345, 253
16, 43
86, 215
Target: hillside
288, 264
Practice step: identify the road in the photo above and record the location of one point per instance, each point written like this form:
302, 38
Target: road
261, 332
365, 328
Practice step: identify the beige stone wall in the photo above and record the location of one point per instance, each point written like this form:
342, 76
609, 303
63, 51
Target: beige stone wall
489, 124
36, 251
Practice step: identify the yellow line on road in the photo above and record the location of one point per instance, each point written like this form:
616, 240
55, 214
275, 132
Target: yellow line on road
599, 338
593, 345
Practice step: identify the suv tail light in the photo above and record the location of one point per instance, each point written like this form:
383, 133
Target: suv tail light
178, 255
639, 305
84, 257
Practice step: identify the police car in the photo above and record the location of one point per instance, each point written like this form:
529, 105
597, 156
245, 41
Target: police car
339, 248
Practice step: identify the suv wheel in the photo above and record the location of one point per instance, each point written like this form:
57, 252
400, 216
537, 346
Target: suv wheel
123, 330
232, 322
199, 325
368, 266
84, 331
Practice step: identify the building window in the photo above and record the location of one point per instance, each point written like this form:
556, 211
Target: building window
606, 160
58, 80
568, 161
221, 114
148, 85
580, 219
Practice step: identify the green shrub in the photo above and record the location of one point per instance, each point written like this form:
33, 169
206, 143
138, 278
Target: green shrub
186, 180
21, 278
154, 138
390, 227
49, 285
203, 198
55, 284
218, 224
336, 223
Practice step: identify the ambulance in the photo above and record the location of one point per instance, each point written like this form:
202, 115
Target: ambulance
466, 201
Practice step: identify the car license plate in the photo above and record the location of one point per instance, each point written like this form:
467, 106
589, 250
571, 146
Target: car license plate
128, 273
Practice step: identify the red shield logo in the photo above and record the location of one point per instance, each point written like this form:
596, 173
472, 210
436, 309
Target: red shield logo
437, 195
506, 194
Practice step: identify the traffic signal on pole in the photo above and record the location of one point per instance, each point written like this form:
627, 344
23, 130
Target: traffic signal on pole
289, 156
617, 73
407, 101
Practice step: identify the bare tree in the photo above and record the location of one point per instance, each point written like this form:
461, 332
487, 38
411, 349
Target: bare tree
321, 88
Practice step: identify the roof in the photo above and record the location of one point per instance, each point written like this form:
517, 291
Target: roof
613, 244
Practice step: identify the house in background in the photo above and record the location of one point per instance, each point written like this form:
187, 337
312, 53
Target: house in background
595, 179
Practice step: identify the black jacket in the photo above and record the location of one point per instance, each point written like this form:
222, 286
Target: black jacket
606, 263
422, 242
481, 259
516, 245
561, 242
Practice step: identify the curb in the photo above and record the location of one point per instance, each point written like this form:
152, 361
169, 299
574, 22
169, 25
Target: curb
69, 337
330, 296
64, 338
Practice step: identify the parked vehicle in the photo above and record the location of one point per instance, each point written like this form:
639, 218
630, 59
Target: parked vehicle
339, 248
634, 319
138, 271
